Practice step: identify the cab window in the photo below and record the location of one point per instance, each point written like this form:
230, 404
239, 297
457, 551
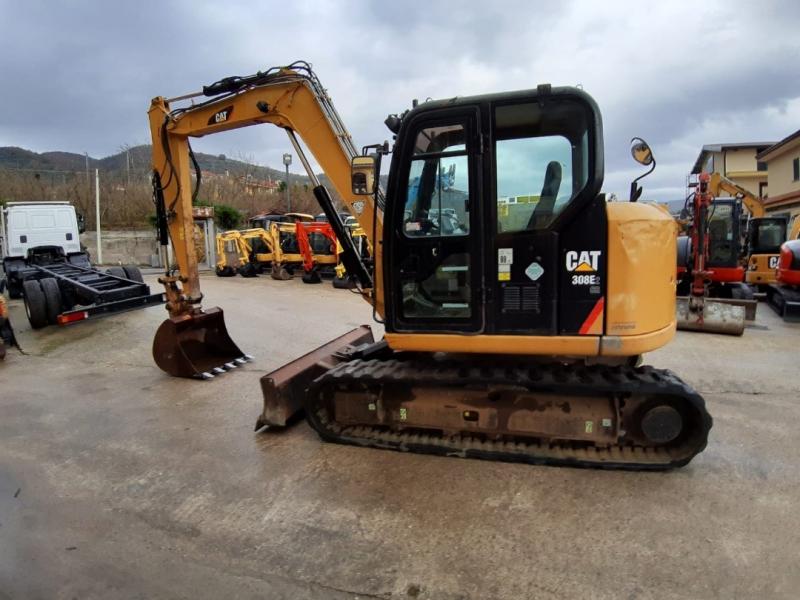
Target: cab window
538, 171
437, 200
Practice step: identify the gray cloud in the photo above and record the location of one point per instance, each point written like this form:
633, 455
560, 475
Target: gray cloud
78, 76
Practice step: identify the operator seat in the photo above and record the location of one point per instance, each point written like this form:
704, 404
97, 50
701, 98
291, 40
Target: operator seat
543, 213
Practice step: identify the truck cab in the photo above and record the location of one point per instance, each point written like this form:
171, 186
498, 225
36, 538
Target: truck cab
34, 224
28, 229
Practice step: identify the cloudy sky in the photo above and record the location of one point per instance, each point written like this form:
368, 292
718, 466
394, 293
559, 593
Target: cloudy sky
78, 75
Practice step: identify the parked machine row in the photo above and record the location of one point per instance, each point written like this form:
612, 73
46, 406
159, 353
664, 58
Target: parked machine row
729, 255
301, 245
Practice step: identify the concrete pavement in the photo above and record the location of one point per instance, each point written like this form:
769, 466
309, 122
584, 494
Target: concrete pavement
117, 481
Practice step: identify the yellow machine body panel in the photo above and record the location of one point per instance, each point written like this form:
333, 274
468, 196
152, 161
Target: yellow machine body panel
640, 297
761, 269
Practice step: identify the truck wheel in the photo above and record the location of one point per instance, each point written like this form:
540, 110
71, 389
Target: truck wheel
117, 272
134, 273
52, 297
35, 303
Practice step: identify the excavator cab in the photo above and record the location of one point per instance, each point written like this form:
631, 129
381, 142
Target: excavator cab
493, 206
764, 238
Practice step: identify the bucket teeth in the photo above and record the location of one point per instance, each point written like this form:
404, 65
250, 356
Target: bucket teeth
206, 375
248, 357
240, 361
218, 370
230, 365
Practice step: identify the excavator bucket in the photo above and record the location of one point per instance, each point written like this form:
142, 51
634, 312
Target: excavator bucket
196, 346
711, 316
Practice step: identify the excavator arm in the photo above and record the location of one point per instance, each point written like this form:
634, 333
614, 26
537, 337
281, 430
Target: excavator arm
291, 98
720, 183
794, 229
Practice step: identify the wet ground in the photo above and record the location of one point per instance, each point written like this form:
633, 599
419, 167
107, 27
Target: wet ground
117, 481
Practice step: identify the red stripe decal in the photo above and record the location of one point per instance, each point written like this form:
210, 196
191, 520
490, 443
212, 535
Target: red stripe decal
596, 312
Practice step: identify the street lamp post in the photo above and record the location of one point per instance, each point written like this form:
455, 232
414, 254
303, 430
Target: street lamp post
287, 160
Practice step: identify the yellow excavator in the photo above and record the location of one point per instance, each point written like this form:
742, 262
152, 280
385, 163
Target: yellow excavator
507, 339
232, 253
246, 252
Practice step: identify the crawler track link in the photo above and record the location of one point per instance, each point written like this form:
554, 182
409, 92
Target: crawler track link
635, 418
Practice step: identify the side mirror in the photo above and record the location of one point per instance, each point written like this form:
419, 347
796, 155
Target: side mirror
81, 222
641, 152
364, 175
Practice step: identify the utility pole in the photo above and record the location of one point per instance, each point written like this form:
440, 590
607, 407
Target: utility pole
97, 215
287, 160
128, 161
88, 181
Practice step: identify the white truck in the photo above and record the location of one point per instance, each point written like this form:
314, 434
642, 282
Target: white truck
44, 264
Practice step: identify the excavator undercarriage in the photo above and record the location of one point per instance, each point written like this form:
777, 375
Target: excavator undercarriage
504, 408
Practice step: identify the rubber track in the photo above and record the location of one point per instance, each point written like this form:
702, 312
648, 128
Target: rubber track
596, 380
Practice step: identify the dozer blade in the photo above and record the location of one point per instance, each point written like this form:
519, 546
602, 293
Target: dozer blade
285, 388
196, 346
714, 317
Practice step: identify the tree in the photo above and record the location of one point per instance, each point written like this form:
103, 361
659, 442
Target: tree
226, 217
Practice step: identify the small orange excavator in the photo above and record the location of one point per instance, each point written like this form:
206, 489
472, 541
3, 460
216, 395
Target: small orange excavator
319, 247
712, 294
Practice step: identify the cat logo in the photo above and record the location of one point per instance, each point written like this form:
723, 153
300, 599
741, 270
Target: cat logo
773, 262
586, 261
220, 116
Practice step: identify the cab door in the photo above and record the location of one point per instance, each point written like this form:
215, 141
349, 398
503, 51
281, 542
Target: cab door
434, 251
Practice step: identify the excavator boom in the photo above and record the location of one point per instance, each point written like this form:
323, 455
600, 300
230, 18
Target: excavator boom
193, 342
